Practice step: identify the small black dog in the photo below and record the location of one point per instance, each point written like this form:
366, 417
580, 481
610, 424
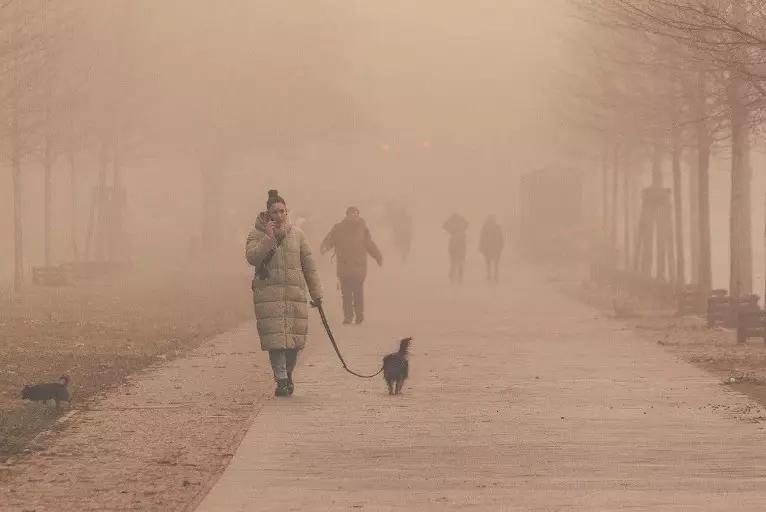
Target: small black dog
396, 367
49, 391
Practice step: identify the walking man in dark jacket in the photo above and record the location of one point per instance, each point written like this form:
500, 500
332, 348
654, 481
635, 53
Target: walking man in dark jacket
491, 243
352, 242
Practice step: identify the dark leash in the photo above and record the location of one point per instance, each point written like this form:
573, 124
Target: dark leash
335, 345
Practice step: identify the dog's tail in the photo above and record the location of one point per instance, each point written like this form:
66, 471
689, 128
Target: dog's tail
404, 346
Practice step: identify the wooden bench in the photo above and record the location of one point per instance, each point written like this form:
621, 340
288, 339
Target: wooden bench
95, 269
691, 301
751, 324
50, 276
718, 304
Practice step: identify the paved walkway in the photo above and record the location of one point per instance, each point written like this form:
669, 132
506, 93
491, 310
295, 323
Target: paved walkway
519, 399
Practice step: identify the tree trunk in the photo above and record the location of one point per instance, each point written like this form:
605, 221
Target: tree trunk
657, 165
605, 191
704, 144
48, 185
661, 273
635, 213
18, 233
668, 236
102, 208
740, 222
740, 277
614, 206
73, 196
694, 224
647, 223
92, 220
116, 246
626, 199
677, 209
18, 238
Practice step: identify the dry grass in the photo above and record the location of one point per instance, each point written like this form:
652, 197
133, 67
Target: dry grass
100, 332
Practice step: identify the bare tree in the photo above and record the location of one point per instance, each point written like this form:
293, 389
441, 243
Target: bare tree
722, 44
111, 81
23, 29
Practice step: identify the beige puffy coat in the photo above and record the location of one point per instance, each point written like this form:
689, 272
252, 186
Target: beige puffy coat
279, 285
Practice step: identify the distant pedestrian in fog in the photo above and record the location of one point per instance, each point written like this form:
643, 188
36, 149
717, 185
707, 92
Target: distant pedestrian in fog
456, 226
491, 243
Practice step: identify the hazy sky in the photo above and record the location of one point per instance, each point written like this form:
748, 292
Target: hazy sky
472, 71
470, 77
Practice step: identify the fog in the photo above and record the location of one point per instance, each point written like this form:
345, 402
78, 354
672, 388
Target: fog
333, 103
139, 140
438, 106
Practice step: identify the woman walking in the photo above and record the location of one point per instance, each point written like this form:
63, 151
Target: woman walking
284, 268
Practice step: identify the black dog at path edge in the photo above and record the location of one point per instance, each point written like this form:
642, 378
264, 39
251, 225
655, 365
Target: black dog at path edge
56, 391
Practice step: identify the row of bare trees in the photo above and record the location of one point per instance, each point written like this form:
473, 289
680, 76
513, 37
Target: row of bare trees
120, 81
662, 84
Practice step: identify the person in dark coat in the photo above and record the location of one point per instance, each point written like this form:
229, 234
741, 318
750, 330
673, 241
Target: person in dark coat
456, 226
491, 243
352, 242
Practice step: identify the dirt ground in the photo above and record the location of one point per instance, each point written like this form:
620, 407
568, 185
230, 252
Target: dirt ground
157, 442
518, 399
151, 430
101, 331
167, 375
743, 367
